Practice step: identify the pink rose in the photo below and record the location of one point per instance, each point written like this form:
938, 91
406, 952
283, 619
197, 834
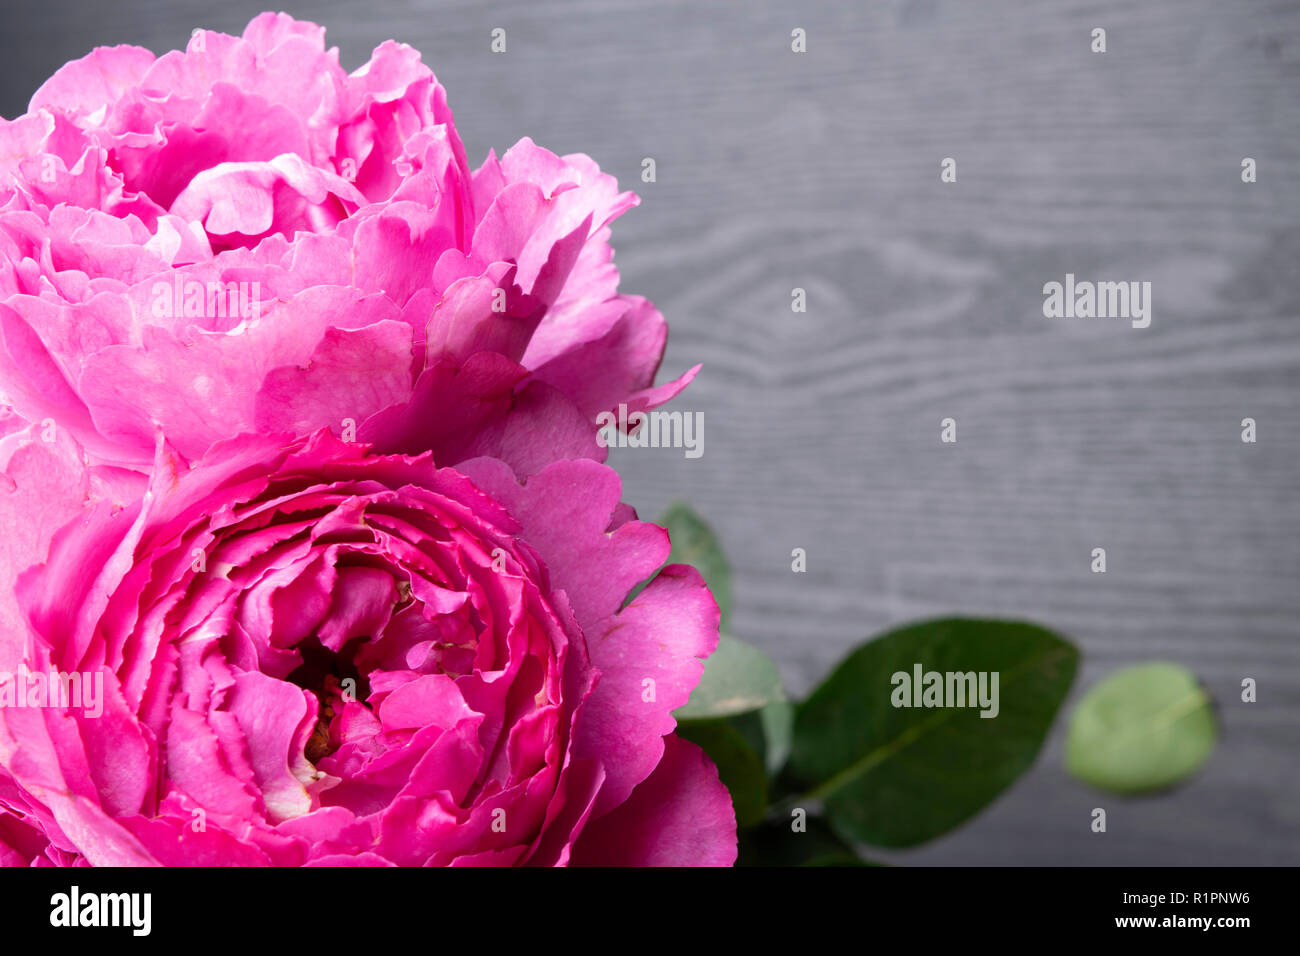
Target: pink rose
312, 654
242, 237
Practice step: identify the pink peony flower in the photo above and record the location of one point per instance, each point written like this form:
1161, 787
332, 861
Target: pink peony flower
242, 237
313, 654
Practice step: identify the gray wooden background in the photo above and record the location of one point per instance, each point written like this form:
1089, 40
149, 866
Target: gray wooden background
821, 171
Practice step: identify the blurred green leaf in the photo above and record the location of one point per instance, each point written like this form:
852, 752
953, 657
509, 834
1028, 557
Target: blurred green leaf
775, 843
768, 731
737, 678
694, 543
778, 730
738, 765
1142, 728
897, 776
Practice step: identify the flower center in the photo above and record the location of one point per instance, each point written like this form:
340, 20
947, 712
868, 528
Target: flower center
334, 680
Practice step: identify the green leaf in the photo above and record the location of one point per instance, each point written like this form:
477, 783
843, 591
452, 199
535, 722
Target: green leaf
1142, 728
737, 678
778, 731
776, 844
897, 776
738, 765
768, 731
694, 543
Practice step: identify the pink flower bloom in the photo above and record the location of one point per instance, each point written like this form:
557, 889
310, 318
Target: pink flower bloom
243, 237
313, 654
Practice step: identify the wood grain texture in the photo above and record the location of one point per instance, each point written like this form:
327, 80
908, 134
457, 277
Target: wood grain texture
821, 171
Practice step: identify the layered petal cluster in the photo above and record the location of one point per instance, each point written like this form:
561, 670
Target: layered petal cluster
311, 653
244, 237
